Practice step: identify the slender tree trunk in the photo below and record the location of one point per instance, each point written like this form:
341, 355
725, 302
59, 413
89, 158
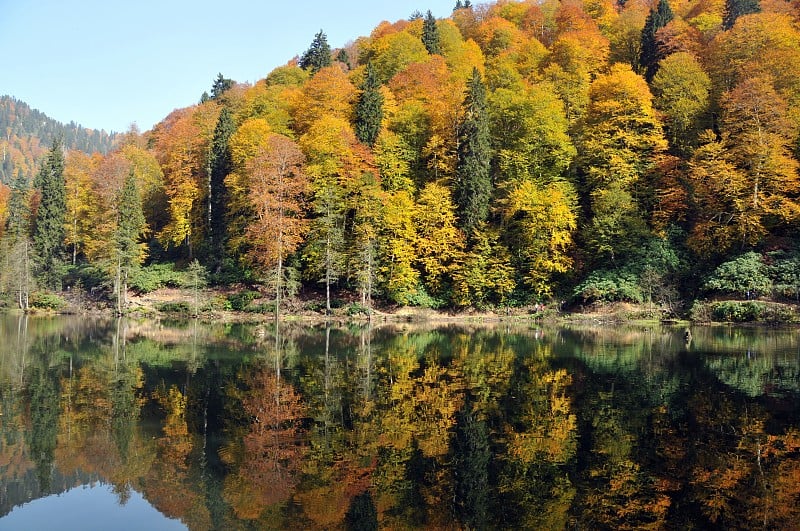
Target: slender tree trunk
328, 266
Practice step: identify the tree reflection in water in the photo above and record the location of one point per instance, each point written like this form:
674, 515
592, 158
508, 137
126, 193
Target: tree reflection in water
330, 427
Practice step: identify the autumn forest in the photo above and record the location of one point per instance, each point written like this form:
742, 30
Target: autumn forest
513, 153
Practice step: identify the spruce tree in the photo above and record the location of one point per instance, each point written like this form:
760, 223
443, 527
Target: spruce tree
473, 187
18, 207
459, 5
220, 166
650, 55
737, 8
48, 235
131, 226
221, 86
318, 55
369, 109
430, 35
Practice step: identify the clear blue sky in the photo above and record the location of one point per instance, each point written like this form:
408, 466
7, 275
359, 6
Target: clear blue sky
106, 63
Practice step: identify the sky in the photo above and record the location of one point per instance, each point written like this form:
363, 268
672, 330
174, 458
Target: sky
109, 64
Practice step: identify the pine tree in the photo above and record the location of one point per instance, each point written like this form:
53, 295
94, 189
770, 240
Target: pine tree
220, 165
48, 235
221, 85
17, 222
650, 55
318, 55
459, 5
473, 186
737, 8
131, 226
369, 109
430, 35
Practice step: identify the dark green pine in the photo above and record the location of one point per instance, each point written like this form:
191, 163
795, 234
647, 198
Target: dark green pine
318, 55
737, 8
18, 206
650, 55
221, 166
131, 224
221, 86
430, 35
473, 187
48, 235
369, 109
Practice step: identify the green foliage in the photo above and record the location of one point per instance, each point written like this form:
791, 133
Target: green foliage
44, 300
430, 35
318, 55
241, 300
745, 276
221, 86
784, 271
473, 186
221, 165
737, 8
156, 276
174, 307
650, 54
369, 109
743, 312
609, 286
48, 234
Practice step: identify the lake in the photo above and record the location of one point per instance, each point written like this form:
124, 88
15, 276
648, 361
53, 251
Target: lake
158, 425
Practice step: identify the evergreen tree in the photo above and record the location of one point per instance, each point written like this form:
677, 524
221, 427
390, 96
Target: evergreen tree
473, 187
318, 55
430, 35
131, 226
737, 8
342, 57
48, 235
369, 109
220, 86
220, 165
17, 221
459, 5
650, 55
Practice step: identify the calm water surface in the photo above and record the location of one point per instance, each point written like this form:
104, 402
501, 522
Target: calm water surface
157, 425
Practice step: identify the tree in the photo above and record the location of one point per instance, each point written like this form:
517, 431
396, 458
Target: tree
430, 35
650, 55
221, 165
278, 187
48, 234
221, 85
737, 8
473, 186
127, 253
318, 55
682, 92
439, 242
17, 246
369, 108
198, 279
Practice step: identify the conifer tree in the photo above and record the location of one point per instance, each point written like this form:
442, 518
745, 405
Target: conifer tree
318, 55
430, 35
17, 223
48, 235
369, 109
650, 55
220, 86
737, 8
473, 186
220, 165
459, 5
131, 226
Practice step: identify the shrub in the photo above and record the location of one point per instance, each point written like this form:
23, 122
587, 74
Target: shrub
609, 286
738, 311
745, 275
156, 276
174, 307
241, 300
47, 301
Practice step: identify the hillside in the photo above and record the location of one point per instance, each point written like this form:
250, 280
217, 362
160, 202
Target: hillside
28, 133
513, 153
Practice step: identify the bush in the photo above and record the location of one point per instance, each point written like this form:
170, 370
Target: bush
175, 307
156, 276
357, 309
47, 301
745, 275
743, 312
609, 286
241, 300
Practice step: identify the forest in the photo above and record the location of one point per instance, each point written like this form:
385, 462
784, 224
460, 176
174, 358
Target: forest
574, 151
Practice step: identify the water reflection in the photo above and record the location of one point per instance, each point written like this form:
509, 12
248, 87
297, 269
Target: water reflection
233, 427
